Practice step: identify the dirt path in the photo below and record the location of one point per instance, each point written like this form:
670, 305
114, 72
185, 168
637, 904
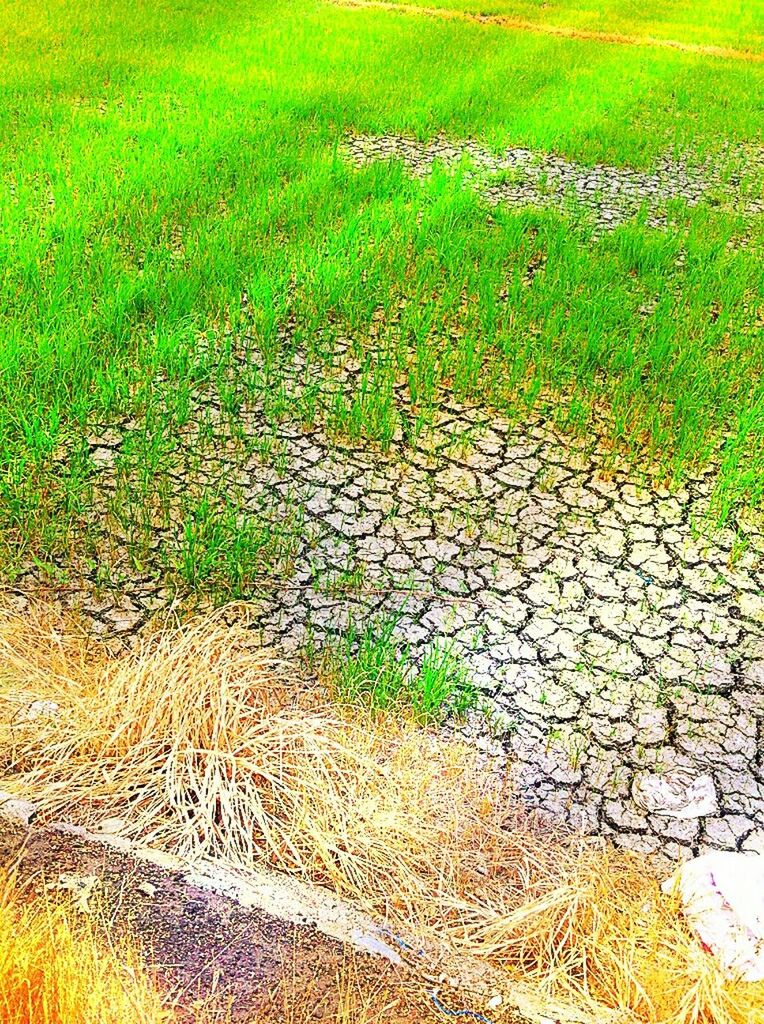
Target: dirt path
207, 947
562, 31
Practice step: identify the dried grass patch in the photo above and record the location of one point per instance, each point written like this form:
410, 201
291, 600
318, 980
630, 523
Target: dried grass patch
55, 970
205, 745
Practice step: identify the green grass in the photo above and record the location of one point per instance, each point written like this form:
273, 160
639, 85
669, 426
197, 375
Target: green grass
159, 164
374, 668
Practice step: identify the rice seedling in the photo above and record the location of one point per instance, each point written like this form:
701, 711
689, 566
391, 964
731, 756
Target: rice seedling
374, 668
369, 666
224, 550
204, 746
442, 684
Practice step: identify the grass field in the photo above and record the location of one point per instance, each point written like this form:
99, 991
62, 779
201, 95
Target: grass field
178, 220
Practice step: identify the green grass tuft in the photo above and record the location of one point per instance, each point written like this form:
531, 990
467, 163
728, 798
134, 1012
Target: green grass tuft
373, 667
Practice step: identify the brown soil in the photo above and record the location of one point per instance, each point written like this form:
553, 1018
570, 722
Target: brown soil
241, 962
565, 31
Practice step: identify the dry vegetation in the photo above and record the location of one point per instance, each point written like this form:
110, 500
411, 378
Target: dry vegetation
205, 745
55, 970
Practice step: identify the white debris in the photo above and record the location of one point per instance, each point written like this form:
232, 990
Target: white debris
110, 826
675, 794
723, 899
82, 887
41, 709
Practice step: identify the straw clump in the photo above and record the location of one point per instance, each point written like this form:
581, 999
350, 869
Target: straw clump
54, 969
205, 745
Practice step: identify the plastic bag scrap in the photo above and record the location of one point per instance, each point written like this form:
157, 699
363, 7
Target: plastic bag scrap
723, 900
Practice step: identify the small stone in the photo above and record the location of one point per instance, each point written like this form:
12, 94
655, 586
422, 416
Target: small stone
16, 808
677, 795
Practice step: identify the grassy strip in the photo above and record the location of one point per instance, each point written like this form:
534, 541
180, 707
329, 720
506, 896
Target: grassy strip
179, 223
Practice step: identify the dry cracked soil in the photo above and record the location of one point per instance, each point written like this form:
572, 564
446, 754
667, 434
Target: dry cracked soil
616, 638
619, 647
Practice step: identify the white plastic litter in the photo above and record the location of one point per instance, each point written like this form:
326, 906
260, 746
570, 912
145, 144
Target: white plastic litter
723, 899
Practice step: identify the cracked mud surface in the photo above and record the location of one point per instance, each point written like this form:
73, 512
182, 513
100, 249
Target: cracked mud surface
610, 195
621, 649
